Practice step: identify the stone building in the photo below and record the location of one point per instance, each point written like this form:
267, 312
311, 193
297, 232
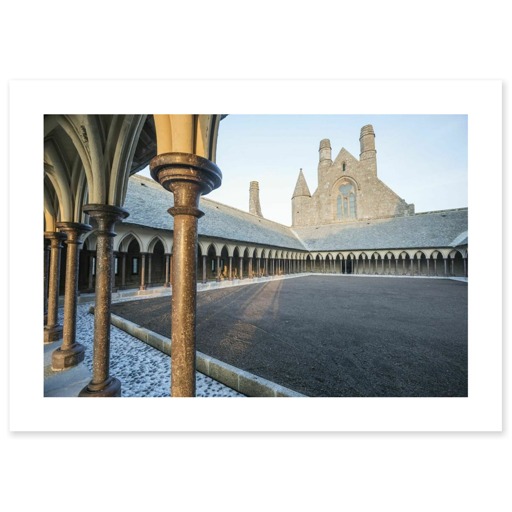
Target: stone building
108, 229
348, 189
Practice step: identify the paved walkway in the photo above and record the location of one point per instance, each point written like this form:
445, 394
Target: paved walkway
142, 370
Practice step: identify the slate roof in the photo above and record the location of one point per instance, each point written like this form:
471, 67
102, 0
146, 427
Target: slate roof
148, 202
446, 228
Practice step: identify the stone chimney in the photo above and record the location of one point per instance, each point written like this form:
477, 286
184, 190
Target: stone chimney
254, 199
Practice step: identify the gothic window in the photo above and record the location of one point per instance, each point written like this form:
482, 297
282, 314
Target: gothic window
346, 202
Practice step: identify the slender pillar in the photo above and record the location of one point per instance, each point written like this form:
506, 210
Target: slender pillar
241, 264
90, 285
445, 267
46, 270
167, 263
453, 266
217, 277
123, 270
250, 268
465, 267
435, 266
204, 268
230, 272
258, 266
143, 272
52, 329
70, 353
102, 384
187, 176
428, 267
150, 260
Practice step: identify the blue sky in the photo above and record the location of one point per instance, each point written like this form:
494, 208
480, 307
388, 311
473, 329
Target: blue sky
423, 158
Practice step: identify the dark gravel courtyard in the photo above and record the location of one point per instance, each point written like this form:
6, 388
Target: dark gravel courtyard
334, 336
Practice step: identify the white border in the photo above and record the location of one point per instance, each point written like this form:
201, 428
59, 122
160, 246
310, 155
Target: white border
30, 100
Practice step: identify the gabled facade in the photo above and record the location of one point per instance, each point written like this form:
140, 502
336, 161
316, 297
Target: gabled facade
349, 189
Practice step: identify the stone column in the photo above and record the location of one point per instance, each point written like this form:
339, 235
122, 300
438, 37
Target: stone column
167, 260
241, 264
445, 267
452, 266
217, 274
143, 272
249, 268
465, 267
123, 270
187, 176
90, 285
204, 268
230, 275
70, 353
150, 260
52, 329
428, 267
102, 384
435, 266
46, 269
258, 266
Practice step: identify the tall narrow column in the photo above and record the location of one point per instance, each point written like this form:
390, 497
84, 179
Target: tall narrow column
102, 384
46, 270
187, 176
445, 267
204, 269
52, 329
167, 270
249, 269
123, 270
150, 260
92, 262
217, 277
465, 267
70, 353
143, 272
230, 275
240, 273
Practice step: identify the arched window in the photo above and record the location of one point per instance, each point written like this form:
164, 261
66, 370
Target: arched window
346, 202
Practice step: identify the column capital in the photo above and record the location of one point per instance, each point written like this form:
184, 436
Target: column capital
55, 236
73, 231
170, 168
106, 216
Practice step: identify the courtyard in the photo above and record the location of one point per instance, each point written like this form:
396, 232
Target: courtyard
333, 336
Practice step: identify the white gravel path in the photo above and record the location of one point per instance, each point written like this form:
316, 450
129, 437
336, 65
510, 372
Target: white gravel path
142, 370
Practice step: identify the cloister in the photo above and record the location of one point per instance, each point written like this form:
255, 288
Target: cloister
108, 230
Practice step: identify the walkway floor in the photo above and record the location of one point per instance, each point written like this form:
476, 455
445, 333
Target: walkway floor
142, 370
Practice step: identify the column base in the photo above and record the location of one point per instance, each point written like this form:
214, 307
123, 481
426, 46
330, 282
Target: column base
167, 285
110, 388
63, 359
52, 333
